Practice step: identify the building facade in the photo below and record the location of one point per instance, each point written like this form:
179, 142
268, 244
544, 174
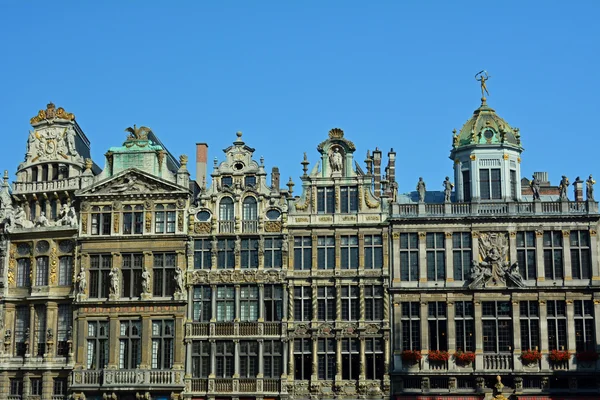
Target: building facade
135, 282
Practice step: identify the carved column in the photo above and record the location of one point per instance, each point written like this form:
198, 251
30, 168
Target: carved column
146, 360
261, 302
315, 359
594, 258
236, 358
363, 360
539, 254
315, 302
285, 345
261, 361
451, 314
516, 351
422, 258
290, 308
570, 325
544, 333
148, 266
597, 319
285, 301
361, 251
213, 358
338, 358
568, 273
315, 265
51, 324
361, 295
449, 259
477, 311
237, 303
113, 348
213, 303
338, 251
394, 259
386, 305
338, 300
31, 344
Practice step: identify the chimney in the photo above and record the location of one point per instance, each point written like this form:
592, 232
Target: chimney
578, 186
542, 178
275, 179
391, 166
377, 171
201, 158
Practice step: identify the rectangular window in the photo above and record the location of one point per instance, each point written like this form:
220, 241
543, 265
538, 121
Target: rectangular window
373, 252
163, 337
249, 253
326, 252
585, 338
131, 273
326, 358
553, 255
248, 303
100, 266
373, 303
97, 345
130, 338
374, 358
409, 257
529, 317
581, 266
410, 324
65, 270
350, 358
526, 255
16, 385
302, 303
273, 302
325, 200
513, 184
250, 181
466, 180
273, 256
164, 218
248, 359
465, 326
224, 357
164, 274
497, 326
489, 184
39, 334
461, 255
226, 181
133, 219
349, 252
101, 220
200, 359
302, 359
326, 303
60, 387
225, 253
202, 254
302, 253
438, 325
349, 199
65, 327
23, 272
225, 303
41, 271
272, 358
36, 386
557, 324
202, 304
436, 256
21, 326
350, 303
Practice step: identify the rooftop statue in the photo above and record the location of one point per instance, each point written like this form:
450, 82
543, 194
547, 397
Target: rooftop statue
482, 76
335, 160
589, 188
448, 186
562, 187
421, 189
535, 188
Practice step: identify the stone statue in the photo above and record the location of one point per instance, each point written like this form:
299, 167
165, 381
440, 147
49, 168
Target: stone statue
562, 187
42, 221
179, 284
261, 246
238, 245
335, 160
70, 141
447, 189
494, 269
16, 218
145, 281
421, 189
81, 281
114, 281
535, 188
67, 216
285, 245
482, 77
589, 188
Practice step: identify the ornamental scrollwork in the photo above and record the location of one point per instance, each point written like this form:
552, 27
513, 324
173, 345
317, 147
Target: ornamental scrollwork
235, 276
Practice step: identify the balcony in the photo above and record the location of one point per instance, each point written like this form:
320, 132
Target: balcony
493, 208
498, 362
47, 186
249, 226
123, 377
226, 226
205, 329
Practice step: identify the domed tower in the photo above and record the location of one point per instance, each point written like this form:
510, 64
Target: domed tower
487, 157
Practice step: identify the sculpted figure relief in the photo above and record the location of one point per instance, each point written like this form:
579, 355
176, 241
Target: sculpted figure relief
81, 281
114, 281
145, 281
494, 269
335, 160
179, 283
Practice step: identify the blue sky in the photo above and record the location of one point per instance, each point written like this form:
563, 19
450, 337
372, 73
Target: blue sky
390, 73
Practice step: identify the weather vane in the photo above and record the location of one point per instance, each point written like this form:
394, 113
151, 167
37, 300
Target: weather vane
481, 77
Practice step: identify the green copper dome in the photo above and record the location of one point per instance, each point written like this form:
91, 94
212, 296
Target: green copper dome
485, 127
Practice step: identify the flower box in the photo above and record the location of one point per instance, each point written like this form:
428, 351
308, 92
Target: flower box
411, 356
464, 357
587, 356
531, 356
558, 356
438, 356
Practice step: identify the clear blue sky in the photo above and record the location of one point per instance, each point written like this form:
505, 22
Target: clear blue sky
391, 74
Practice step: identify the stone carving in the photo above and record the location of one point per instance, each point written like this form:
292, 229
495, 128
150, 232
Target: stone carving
67, 216
42, 221
535, 187
235, 276
114, 281
335, 161
447, 189
372, 329
16, 218
300, 330
272, 226
52, 143
179, 281
421, 189
494, 269
589, 188
325, 330
145, 281
562, 187
202, 227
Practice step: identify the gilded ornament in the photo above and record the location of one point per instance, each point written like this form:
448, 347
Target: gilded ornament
539, 233
202, 227
505, 156
336, 133
85, 206
304, 206
473, 157
148, 221
474, 234
422, 234
84, 221
53, 265
51, 112
116, 223
272, 226
449, 235
12, 263
512, 233
136, 133
566, 233
395, 235
180, 221
593, 232
368, 202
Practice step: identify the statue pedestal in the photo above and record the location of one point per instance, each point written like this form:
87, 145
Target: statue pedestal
146, 296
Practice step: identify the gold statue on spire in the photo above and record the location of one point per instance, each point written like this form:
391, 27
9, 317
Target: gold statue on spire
482, 76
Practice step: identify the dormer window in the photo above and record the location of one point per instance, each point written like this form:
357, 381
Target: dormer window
325, 200
226, 181
349, 199
164, 213
490, 186
250, 181
249, 215
226, 215
133, 219
101, 218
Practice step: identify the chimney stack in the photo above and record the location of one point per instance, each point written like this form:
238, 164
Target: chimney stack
578, 186
201, 159
275, 179
377, 171
391, 167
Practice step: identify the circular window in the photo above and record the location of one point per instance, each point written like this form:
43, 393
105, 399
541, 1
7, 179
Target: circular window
23, 249
488, 134
42, 246
273, 214
66, 246
239, 166
203, 216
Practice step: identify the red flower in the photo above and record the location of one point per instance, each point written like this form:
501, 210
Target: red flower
531, 356
559, 356
438, 355
411, 356
464, 357
589, 355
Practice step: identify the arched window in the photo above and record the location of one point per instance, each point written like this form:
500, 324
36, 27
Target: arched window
249, 215
226, 215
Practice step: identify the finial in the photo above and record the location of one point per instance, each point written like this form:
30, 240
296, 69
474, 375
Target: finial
305, 164
262, 161
6, 177
482, 76
290, 186
215, 161
239, 136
